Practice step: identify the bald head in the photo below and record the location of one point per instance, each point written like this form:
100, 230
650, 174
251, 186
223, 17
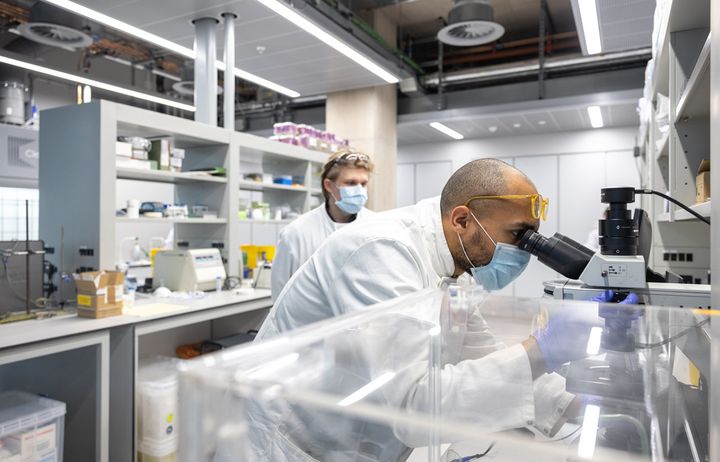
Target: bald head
482, 177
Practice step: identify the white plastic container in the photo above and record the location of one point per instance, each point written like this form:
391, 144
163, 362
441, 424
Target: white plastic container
32, 428
157, 406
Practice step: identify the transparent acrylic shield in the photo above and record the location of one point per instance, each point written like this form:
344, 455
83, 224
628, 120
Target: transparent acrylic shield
443, 375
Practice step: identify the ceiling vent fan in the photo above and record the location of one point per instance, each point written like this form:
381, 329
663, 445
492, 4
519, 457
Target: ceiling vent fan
470, 23
55, 27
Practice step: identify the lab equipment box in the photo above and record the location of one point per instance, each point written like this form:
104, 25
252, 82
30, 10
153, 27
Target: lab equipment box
99, 293
702, 182
157, 410
31, 428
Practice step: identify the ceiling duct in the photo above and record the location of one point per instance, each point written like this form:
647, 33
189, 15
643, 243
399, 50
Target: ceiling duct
56, 27
470, 23
186, 86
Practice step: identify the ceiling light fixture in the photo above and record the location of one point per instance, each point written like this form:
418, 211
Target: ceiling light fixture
493, 129
163, 43
541, 122
516, 125
294, 17
446, 130
596, 118
94, 83
590, 26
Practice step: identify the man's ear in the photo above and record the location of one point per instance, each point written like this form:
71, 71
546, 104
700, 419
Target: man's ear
460, 218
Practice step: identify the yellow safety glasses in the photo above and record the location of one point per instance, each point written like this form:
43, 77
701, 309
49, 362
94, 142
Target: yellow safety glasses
538, 204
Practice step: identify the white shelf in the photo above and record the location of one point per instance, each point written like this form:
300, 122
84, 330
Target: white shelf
681, 215
695, 99
194, 221
134, 121
661, 72
258, 146
162, 176
662, 152
256, 186
316, 191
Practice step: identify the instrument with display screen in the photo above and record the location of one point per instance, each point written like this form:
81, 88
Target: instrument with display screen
189, 269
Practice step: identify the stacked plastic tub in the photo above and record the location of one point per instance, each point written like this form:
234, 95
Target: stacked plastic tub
157, 404
32, 428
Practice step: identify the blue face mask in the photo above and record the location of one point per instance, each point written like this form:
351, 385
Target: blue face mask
352, 199
507, 263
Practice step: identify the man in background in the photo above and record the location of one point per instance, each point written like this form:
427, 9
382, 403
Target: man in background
344, 181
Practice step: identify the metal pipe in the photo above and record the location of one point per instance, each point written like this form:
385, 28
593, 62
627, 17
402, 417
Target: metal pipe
533, 67
541, 51
27, 257
229, 77
440, 74
205, 71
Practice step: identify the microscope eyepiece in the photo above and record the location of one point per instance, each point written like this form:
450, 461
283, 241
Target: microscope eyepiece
559, 252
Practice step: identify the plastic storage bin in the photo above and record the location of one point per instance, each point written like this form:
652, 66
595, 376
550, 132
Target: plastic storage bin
31, 428
157, 406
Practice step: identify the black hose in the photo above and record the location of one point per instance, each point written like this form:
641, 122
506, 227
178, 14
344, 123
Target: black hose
674, 201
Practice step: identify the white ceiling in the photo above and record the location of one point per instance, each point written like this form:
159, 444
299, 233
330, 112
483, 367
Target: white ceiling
624, 24
292, 57
516, 123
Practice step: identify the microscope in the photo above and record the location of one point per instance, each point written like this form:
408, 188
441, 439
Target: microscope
623, 381
621, 265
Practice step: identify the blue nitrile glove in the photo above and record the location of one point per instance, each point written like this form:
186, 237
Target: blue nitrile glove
566, 334
607, 296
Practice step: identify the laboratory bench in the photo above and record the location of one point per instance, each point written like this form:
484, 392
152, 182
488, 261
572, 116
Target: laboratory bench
91, 364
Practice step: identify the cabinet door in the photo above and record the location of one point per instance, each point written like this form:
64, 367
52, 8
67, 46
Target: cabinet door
430, 178
543, 171
405, 184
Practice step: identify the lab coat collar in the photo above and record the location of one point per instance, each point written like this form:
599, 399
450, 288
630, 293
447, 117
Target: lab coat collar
440, 256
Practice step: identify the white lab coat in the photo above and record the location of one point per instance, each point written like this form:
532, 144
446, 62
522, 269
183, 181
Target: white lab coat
299, 240
389, 255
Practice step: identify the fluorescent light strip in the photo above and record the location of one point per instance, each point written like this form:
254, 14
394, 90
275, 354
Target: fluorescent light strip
444, 129
596, 118
273, 366
367, 389
305, 24
590, 26
95, 83
594, 340
588, 434
163, 43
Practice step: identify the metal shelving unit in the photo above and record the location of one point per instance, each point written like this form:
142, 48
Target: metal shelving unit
672, 155
79, 177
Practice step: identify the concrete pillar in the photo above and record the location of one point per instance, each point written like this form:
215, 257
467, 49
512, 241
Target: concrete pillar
368, 118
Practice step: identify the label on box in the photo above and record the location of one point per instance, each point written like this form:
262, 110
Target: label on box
38, 445
85, 300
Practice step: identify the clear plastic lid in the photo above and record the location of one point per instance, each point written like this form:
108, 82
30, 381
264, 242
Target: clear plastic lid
20, 410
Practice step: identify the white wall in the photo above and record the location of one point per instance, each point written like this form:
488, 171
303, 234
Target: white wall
569, 168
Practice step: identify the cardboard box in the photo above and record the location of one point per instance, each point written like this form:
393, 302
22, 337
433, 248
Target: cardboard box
702, 182
98, 314
160, 152
99, 290
123, 149
116, 280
